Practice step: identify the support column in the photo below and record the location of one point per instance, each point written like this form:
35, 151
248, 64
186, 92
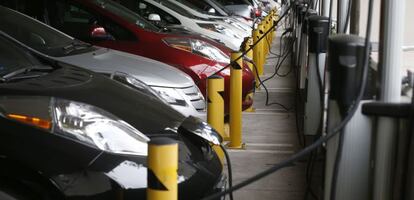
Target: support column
341, 15
392, 29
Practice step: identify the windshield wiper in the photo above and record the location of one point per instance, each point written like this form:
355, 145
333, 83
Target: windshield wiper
76, 45
10, 76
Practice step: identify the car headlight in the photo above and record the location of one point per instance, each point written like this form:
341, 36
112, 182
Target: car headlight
78, 121
170, 95
136, 84
198, 47
219, 29
200, 128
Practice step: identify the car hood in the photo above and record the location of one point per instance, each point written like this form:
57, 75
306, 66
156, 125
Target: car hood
151, 72
179, 29
146, 113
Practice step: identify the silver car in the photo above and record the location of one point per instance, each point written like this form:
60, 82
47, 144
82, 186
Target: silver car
171, 85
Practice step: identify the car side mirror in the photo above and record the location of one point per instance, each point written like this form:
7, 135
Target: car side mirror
99, 33
142, 6
212, 11
154, 17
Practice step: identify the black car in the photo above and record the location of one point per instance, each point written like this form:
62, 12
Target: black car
68, 133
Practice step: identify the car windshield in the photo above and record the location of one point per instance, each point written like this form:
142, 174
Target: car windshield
13, 58
195, 5
125, 13
38, 36
221, 6
233, 2
177, 8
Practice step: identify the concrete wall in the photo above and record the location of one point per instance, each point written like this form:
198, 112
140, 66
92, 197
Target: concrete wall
408, 57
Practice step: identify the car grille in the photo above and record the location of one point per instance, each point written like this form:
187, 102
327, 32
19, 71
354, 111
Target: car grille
194, 95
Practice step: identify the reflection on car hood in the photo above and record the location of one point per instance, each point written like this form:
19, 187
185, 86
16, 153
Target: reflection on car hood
179, 29
149, 71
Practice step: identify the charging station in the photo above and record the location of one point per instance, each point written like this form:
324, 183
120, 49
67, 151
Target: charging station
318, 30
303, 51
348, 153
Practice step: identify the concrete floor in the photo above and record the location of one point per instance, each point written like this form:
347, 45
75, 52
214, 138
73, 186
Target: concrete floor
270, 136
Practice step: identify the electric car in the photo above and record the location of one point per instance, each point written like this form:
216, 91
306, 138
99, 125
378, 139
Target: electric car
174, 86
108, 24
171, 14
69, 133
245, 28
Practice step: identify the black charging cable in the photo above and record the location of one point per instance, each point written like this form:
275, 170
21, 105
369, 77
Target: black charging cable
280, 54
348, 15
250, 48
275, 55
313, 156
230, 173
265, 88
279, 64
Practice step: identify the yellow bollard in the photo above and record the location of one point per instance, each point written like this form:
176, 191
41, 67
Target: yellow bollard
262, 50
249, 54
215, 109
236, 101
257, 54
274, 18
269, 19
162, 169
215, 106
273, 28
264, 27
267, 35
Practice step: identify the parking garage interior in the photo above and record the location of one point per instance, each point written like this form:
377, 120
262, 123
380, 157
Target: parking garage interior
206, 99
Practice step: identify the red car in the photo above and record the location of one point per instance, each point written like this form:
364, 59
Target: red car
109, 24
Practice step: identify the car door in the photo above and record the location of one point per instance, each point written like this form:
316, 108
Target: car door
81, 22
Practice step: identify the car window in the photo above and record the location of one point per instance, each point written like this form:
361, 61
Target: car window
198, 5
35, 34
220, 6
144, 9
125, 13
78, 22
176, 8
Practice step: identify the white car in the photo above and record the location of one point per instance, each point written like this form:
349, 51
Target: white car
168, 83
241, 28
166, 13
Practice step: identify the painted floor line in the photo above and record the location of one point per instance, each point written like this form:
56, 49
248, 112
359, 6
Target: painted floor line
260, 151
268, 113
269, 145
